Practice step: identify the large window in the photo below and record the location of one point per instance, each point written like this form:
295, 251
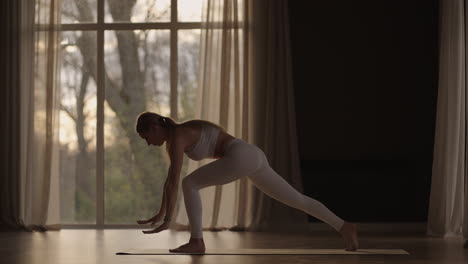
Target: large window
119, 58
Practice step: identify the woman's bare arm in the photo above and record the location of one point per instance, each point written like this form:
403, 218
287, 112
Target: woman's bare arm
168, 201
176, 154
163, 207
176, 151
171, 185
172, 191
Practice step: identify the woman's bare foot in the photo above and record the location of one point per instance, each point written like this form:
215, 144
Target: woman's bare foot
349, 233
195, 245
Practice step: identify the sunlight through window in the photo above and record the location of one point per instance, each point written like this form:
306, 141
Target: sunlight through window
139, 41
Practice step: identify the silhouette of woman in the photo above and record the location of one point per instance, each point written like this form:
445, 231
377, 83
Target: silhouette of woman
235, 158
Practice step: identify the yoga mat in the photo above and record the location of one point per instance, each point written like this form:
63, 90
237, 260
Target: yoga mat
268, 251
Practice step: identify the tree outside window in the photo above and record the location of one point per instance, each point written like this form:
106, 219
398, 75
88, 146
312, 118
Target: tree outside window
120, 58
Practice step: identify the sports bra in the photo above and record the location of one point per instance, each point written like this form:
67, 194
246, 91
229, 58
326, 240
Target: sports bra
206, 144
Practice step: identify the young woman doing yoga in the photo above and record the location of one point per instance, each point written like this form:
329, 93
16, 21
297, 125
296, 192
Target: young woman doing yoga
235, 158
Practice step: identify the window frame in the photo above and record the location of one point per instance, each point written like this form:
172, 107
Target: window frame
100, 27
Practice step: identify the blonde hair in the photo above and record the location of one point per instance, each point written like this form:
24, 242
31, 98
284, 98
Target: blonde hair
146, 119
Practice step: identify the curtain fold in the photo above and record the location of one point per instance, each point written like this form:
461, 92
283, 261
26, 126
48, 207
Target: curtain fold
275, 122
9, 113
29, 182
448, 215
219, 99
245, 85
38, 116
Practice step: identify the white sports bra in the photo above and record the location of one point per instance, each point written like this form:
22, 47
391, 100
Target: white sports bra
206, 144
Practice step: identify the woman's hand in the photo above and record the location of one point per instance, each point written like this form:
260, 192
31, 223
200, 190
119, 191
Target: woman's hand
153, 220
158, 229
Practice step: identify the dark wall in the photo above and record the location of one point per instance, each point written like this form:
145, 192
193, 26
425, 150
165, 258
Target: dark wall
365, 76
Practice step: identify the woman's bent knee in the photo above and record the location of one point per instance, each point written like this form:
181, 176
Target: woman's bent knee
187, 184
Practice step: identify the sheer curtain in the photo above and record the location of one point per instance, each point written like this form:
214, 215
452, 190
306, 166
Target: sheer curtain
221, 99
448, 216
39, 119
245, 86
270, 78
32, 202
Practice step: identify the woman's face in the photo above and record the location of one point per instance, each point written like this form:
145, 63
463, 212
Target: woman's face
154, 135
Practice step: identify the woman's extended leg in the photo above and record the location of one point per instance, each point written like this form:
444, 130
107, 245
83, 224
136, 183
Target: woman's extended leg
269, 182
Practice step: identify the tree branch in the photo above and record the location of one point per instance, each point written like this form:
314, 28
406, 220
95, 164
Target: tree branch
68, 112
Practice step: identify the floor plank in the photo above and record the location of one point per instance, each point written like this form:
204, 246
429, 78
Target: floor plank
101, 246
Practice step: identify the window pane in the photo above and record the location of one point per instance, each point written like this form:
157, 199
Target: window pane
137, 11
189, 10
188, 59
78, 127
78, 11
137, 65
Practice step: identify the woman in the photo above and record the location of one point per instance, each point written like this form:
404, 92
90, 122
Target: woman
236, 158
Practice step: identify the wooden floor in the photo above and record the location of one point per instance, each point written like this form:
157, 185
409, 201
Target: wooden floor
100, 246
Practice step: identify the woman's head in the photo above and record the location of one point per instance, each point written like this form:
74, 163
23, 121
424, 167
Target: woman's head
153, 127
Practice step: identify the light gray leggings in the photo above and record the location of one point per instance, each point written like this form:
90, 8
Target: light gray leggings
244, 159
